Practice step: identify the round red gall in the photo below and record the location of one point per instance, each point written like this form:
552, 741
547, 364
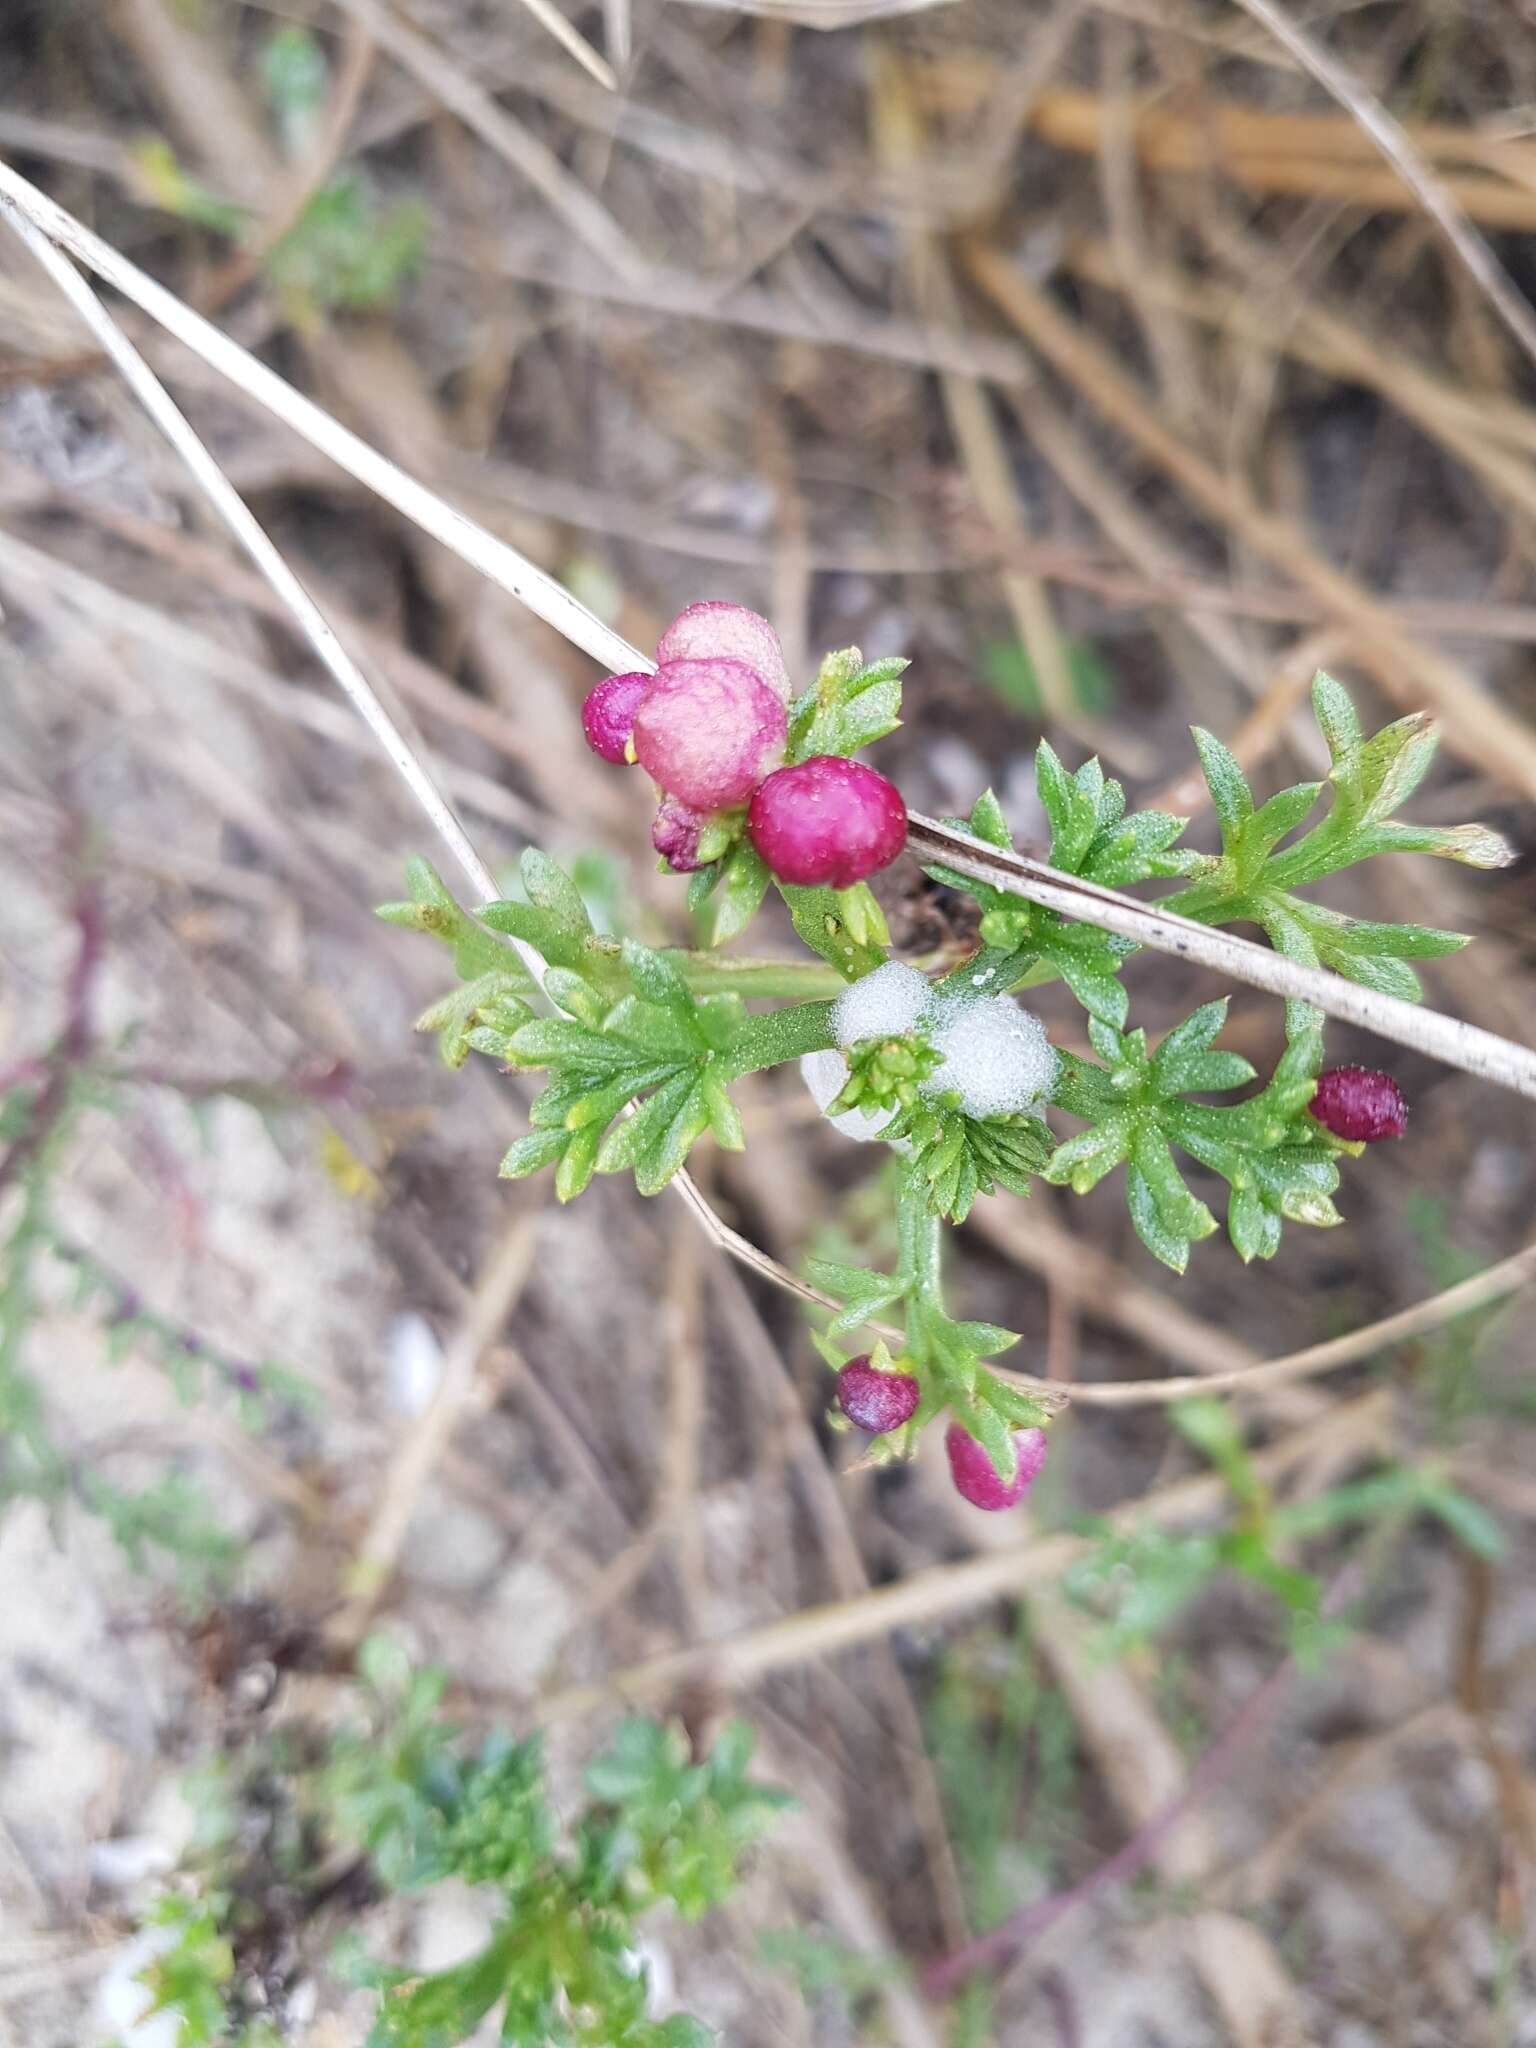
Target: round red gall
675, 835
707, 732
827, 822
608, 715
1359, 1104
875, 1400
975, 1475
713, 629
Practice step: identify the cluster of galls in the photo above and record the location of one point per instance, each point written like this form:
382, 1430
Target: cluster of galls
711, 728
878, 1397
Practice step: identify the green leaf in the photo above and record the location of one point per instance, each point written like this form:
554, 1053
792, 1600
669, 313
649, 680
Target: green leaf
1273, 820
1072, 810
1080, 1163
657, 979
1279, 1162
1335, 715
818, 917
1092, 837
164, 182
1007, 667
953, 1157
551, 890
578, 1162
533, 1153
1213, 1428
987, 821
863, 1294
1017, 1408
744, 881
295, 82
1186, 1045
1169, 1244
430, 907
1255, 879
1231, 797
852, 704
347, 251
491, 1001
1468, 1520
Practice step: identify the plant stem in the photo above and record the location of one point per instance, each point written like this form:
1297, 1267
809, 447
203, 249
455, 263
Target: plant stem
780, 1035
919, 1236
789, 981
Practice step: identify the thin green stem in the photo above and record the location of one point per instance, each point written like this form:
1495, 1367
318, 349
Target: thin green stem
786, 981
919, 1237
780, 1035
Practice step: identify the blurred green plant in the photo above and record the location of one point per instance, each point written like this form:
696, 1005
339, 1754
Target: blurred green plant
295, 81
1006, 667
1141, 1580
349, 250
1452, 1362
171, 1521
1003, 1742
398, 1786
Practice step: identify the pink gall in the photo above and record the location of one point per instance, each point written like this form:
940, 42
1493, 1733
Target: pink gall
675, 832
707, 732
827, 822
608, 715
708, 631
975, 1476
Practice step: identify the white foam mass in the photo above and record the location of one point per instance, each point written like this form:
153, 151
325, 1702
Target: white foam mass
886, 1004
824, 1073
996, 1057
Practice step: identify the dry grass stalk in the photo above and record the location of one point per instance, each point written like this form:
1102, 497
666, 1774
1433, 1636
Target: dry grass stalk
1476, 724
426, 1436
941, 1591
1388, 135
1315, 156
512, 142
1444, 1038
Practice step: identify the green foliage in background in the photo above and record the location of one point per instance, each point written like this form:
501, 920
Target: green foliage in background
1144, 1578
349, 250
399, 1788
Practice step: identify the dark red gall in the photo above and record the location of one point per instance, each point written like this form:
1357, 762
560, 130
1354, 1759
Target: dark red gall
608, 715
675, 834
1360, 1104
875, 1400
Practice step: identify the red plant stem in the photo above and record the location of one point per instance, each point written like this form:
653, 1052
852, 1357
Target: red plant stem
91, 924
990, 1951
943, 1977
